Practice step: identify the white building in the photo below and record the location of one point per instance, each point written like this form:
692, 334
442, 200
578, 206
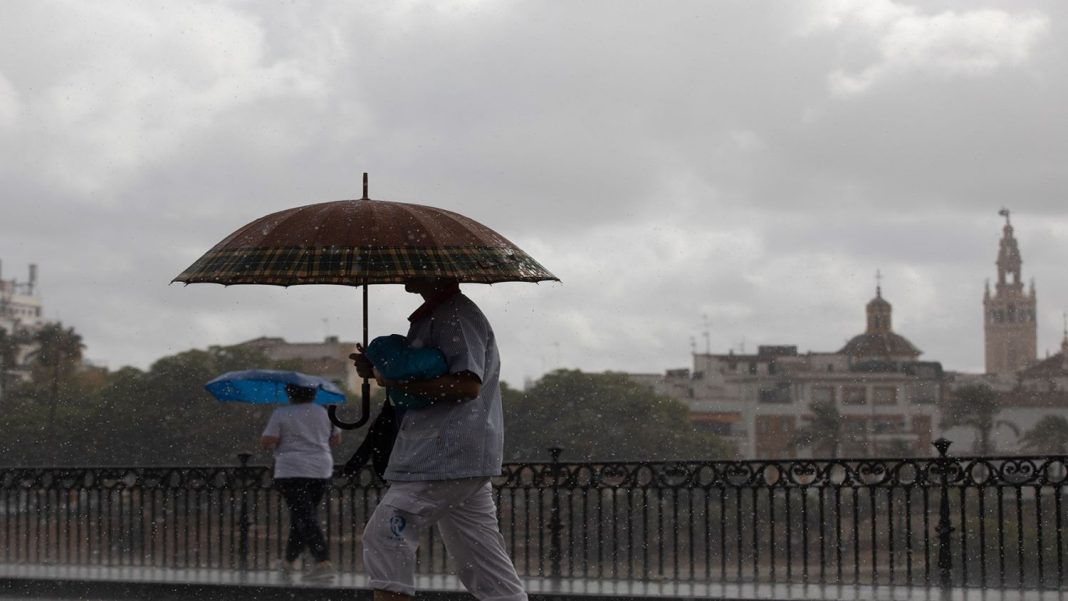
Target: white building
20, 314
20, 302
889, 401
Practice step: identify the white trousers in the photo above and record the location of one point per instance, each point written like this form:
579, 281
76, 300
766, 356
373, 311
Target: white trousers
467, 520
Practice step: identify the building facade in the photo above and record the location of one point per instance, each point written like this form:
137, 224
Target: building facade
328, 359
20, 316
1009, 318
888, 400
20, 302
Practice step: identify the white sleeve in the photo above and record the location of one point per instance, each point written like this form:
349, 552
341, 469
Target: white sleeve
274, 426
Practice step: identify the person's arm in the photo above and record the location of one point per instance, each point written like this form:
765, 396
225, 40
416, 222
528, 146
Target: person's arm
272, 434
457, 387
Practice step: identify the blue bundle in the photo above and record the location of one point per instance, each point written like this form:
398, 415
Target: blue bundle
396, 360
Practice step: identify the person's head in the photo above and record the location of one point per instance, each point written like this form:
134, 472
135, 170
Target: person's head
429, 286
300, 394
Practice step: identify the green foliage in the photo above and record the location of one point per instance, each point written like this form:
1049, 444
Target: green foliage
1050, 435
973, 406
822, 432
58, 352
10, 342
162, 416
600, 417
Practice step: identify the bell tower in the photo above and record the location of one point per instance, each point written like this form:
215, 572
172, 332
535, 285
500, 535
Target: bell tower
1010, 329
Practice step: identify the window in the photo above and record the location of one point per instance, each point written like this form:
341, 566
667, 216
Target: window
822, 394
884, 395
714, 427
924, 393
778, 394
888, 425
854, 395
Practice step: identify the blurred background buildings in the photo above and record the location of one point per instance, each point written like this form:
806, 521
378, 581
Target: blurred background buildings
885, 400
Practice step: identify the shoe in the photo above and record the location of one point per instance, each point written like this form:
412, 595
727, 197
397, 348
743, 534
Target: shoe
286, 568
323, 570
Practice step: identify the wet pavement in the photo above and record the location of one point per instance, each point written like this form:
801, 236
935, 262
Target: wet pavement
131, 582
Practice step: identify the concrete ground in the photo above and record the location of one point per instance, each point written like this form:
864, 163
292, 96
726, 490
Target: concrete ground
51, 582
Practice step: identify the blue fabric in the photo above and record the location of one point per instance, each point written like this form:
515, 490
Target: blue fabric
396, 360
268, 387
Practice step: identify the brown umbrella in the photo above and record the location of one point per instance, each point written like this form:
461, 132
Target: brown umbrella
362, 242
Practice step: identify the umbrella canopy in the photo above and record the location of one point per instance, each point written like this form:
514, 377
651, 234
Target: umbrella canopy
268, 386
357, 242
362, 242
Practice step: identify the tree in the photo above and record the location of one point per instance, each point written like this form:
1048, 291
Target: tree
973, 406
58, 354
602, 417
1050, 435
822, 431
9, 355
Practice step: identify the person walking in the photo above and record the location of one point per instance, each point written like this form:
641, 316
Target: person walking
444, 455
301, 435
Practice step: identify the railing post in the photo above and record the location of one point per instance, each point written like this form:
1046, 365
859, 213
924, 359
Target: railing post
945, 528
555, 525
243, 524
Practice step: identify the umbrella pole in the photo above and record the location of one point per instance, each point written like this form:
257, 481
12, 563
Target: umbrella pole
366, 388
365, 404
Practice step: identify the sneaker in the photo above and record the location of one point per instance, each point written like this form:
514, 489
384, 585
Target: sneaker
323, 570
286, 568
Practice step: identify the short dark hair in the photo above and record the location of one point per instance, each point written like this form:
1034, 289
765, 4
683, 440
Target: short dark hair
300, 394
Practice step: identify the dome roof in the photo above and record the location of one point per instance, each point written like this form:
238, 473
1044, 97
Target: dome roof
878, 302
881, 345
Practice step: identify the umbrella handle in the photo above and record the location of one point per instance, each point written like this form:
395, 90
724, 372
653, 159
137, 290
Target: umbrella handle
365, 411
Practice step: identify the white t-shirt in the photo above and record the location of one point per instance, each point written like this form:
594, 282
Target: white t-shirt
303, 431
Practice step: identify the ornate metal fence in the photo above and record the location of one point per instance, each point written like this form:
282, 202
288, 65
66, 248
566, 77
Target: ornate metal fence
992, 521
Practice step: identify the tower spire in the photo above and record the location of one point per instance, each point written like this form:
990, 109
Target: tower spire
1010, 328
1064, 339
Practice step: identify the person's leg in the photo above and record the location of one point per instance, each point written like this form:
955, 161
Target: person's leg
291, 493
313, 534
391, 538
471, 535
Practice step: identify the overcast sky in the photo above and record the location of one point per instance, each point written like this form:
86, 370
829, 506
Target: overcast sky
751, 162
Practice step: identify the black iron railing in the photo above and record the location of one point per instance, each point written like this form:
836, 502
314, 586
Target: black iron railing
991, 521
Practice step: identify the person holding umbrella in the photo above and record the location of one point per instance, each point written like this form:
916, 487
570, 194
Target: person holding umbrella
301, 435
444, 455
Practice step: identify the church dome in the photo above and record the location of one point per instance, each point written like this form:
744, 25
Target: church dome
879, 341
883, 345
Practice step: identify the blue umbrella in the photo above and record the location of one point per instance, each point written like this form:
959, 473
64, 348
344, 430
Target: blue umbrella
268, 387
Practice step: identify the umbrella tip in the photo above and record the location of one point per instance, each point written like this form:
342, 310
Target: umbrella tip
365, 197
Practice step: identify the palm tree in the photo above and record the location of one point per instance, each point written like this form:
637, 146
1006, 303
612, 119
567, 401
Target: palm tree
1050, 435
973, 406
58, 354
823, 430
9, 349
11, 343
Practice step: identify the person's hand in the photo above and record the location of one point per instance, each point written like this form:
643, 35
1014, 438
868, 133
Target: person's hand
380, 379
362, 363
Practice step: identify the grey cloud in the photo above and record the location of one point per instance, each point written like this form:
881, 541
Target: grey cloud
666, 161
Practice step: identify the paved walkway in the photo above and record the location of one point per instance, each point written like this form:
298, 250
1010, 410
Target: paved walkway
136, 583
